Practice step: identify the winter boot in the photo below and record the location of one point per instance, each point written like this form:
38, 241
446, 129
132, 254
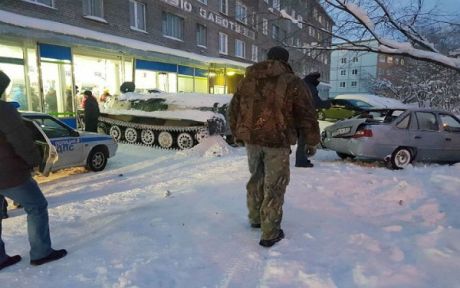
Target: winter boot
11, 260
55, 255
270, 243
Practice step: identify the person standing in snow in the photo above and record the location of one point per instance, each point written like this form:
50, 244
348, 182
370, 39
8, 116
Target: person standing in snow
91, 111
312, 82
268, 108
18, 156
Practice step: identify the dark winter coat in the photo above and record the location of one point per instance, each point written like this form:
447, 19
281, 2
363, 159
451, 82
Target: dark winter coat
18, 153
91, 114
312, 82
270, 104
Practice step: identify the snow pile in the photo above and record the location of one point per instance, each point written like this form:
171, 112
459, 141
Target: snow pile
187, 114
213, 146
191, 100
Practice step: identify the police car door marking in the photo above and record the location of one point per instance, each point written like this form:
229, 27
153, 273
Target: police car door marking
65, 145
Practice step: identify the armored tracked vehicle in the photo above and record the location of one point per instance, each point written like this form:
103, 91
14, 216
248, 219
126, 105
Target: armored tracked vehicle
165, 120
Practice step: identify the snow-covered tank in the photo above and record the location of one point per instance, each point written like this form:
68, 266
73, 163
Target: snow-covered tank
166, 120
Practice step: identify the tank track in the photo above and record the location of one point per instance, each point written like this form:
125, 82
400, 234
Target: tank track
158, 136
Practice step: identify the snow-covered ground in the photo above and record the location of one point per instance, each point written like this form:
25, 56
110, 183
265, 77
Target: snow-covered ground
158, 218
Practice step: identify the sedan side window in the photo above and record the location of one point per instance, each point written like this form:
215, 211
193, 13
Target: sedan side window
52, 128
427, 121
450, 123
404, 123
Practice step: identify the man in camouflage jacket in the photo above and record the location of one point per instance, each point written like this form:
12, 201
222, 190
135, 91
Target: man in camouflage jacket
270, 105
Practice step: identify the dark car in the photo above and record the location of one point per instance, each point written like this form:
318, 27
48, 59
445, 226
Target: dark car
342, 109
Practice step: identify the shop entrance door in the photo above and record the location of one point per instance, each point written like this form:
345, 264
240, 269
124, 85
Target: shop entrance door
57, 82
57, 88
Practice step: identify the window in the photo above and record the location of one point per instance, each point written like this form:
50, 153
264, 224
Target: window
49, 3
275, 31
427, 121
201, 35
241, 13
354, 72
354, 83
342, 84
390, 59
343, 60
93, 8
355, 59
343, 72
276, 4
173, 26
382, 58
404, 124
265, 26
240, 48
203, 1
254, 53
52, 128
449, 123
223, 43
223, 7
137, 15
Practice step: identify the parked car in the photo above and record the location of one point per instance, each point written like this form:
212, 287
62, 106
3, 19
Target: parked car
73, 148
397, 136
342, 109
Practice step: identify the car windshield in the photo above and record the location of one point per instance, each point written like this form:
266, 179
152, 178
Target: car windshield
359, 103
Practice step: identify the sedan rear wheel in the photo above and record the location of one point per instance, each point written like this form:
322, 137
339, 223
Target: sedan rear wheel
401, 158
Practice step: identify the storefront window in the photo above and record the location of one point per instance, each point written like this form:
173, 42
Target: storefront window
128, 76
97, 74
146, 81
57, 88
185, 83
12, 63
35, 103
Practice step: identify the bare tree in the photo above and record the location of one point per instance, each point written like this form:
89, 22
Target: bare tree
395, 25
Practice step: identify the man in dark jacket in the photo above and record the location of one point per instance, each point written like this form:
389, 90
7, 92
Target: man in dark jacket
312, 82
91, 111
18, 156
270, 105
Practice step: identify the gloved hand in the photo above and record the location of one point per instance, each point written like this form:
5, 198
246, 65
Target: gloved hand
310, 150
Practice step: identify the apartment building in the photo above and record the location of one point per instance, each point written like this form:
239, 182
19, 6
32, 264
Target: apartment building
354, 72
53, 49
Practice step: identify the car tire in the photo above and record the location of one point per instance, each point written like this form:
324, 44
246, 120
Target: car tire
345, 156
321, 115
97, 159
401, 158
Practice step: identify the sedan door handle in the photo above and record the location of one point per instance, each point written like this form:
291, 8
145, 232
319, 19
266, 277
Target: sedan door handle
418, 137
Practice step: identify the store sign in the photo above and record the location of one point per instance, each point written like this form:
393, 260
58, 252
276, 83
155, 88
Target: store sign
213, 17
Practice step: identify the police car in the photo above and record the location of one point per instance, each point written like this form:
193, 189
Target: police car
62, 146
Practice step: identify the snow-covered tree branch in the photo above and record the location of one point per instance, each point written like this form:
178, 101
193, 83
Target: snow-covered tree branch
394, 25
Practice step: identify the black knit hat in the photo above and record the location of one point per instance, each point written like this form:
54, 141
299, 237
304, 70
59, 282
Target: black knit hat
278, 53
88, 93
4, 82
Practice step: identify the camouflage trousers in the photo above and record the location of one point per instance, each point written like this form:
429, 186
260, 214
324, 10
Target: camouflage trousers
269, 168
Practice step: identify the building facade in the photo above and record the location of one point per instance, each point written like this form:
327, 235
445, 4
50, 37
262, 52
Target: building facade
355, 72
54, 49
